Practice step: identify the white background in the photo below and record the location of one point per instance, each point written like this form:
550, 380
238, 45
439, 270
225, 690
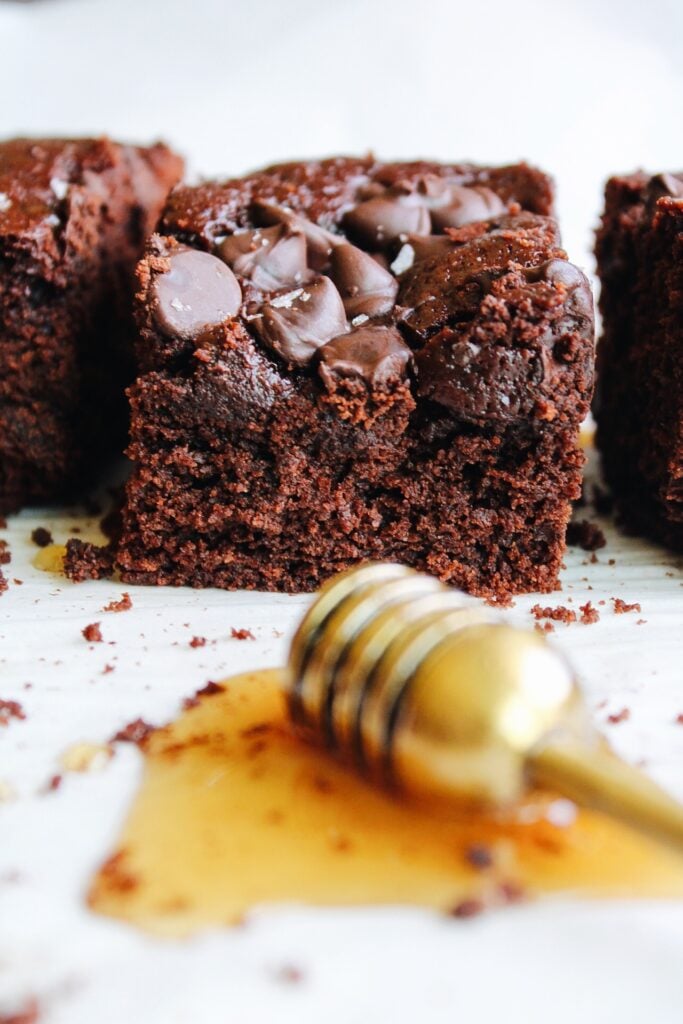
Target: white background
582, 89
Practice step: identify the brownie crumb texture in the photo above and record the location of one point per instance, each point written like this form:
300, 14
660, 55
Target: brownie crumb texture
241, 634
72, 226
86, 561
93, 633
639, 404
344, 360
135, 732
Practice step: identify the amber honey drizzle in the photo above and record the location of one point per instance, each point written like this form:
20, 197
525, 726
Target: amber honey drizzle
235, 812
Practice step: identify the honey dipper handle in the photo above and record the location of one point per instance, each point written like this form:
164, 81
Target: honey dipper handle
596, 778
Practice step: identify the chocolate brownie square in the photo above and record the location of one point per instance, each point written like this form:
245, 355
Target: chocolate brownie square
639, 404
74, 215
346, 360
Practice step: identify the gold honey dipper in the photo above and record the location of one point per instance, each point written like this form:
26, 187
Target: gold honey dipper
443, 700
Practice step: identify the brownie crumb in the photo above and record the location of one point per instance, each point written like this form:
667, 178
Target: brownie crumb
41, 537
585, 535
511, 892
621, 607
5, 556
86, 561
107, 669
3, 583
135, 732
479, 856
198, 641
290, 974
210, 690
619, 716
241, 634
93, 633
10, 709
29, 1014
122, 605
679, 719
189, 702
589, 614
559, 614
467, 908
53, 784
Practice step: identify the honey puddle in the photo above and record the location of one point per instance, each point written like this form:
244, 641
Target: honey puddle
235, 812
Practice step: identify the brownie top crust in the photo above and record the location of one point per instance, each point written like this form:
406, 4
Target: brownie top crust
448, 279
44, 181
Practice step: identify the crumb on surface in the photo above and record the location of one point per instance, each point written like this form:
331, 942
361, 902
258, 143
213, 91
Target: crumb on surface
41, 537
28, 1015
198, 641
5, 554
585, 535
559, 614
589, 614
619, 716
86, 561
210, 690
10, 709
621, 607
92, 633
122, 605
136, 732
470, 907
241, 634
290, 974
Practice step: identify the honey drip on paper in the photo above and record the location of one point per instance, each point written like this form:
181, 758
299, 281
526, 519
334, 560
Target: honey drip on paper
235, 812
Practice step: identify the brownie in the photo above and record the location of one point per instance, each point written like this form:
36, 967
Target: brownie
639, 403
346, 360
74, 215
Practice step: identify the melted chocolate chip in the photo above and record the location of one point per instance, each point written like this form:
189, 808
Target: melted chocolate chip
376, 354
365, 286
271, 258
196, 292
579, 299
377, 222
464, 205
319, 241
297, 324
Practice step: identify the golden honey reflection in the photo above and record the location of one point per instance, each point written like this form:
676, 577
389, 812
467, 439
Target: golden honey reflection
235, 812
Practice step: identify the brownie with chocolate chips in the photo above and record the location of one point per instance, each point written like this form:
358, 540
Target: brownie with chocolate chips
343, 360
639, 404
74, 215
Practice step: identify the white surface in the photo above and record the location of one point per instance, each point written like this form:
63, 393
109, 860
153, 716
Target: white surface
581, 89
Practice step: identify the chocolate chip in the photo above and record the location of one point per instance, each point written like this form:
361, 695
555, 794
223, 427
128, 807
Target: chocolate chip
365, 287
376, 354
377, 222
466, 204
197, 291
271, 258
574, 281
297, 324
319, 241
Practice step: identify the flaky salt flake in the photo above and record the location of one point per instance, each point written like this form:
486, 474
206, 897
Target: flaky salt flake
362, 318
5, 202
179, 306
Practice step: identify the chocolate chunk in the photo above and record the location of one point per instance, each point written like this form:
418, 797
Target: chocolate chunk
297, 324
376, 354
466, 204
196, 292
376, 223
579, 299
271, 258
319, 241
365, 287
